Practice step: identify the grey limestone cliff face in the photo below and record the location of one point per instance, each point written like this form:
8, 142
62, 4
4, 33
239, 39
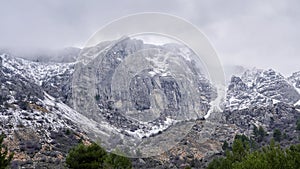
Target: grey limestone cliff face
0, 62
124, 81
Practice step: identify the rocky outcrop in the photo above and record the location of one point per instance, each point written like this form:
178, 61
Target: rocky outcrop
60, 85
275, 86
295, 80
260, 88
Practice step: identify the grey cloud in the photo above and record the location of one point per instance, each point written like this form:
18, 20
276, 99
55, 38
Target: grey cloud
253, 33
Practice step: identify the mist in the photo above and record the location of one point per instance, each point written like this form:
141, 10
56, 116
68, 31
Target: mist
252, 33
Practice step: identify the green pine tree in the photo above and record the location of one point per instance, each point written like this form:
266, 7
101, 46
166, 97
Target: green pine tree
277, 135
269, 157
225, 145
95, 157
261, 134
298, 124
86, 156
113, 161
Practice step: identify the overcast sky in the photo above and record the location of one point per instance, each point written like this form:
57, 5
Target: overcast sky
252, 33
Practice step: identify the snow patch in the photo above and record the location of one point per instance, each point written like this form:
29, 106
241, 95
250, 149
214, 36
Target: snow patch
298, 103
153, 130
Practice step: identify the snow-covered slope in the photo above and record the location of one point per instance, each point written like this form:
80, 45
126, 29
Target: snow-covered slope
23, 98
241, 96
35, 71
257, 87
54, 78
34, 121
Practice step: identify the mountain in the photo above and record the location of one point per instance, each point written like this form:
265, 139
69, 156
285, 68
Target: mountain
38, 104
137, 94
260, 88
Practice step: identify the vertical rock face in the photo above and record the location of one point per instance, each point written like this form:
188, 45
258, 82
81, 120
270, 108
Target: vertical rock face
1, 62
140, 89
146, 83
133, 76
172, 92
143, 86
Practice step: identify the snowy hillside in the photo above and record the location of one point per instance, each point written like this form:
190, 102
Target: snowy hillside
257, 87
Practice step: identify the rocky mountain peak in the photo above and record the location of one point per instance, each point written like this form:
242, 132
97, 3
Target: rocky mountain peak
236, 84
274, 85
260, 87
1, 62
